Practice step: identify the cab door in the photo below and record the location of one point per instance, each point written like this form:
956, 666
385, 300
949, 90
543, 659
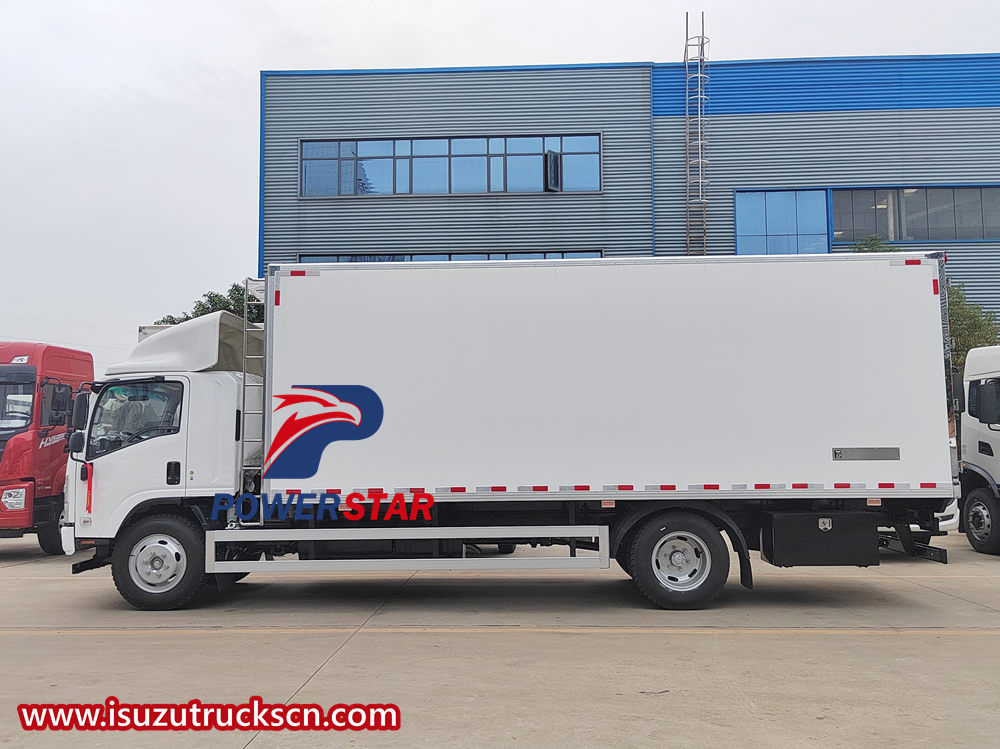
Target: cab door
136, 450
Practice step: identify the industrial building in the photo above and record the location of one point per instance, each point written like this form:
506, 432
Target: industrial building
719, 157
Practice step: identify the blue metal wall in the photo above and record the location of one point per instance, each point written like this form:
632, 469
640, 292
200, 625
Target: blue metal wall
837, 84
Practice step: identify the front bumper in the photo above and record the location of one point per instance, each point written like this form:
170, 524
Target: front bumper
20, 519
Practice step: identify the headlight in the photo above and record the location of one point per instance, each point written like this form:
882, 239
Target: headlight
13, 499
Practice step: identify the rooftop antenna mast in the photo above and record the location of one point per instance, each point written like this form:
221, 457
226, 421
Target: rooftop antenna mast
696, 138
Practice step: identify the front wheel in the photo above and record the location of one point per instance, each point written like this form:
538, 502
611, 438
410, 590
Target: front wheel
50, 540
679, 560
159, 563
981, 518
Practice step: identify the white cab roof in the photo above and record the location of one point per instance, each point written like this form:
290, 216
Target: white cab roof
206, 343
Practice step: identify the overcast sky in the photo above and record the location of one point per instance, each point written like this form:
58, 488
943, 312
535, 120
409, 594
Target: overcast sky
129, 129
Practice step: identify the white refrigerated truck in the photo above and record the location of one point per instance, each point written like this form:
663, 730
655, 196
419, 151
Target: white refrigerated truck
636, 409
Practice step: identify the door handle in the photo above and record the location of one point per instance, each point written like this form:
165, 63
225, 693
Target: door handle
174, 472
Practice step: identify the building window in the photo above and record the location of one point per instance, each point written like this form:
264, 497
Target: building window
916, 214
451, 166
439, 257
781, 222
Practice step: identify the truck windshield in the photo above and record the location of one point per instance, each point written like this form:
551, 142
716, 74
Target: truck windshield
131, 413
15, 404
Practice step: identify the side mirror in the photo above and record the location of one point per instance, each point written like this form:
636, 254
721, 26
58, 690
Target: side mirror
958, 391
989, 402
77, 441
81, 409
62, 399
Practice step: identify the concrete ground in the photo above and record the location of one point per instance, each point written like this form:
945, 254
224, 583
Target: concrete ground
907, 653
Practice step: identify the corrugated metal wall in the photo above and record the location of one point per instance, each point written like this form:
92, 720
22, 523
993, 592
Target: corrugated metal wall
830, 149
612, 101
836, 84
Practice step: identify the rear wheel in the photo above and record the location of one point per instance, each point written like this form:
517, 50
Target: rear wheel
50, 539
624, 554
981, 516
679, 560
159, 563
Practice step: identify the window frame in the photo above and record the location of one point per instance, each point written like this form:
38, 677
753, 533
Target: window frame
300, 172
828, 207
91, 453
953, 186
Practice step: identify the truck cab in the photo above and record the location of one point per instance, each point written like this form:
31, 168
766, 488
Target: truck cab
36, 386
161, 430
979, 402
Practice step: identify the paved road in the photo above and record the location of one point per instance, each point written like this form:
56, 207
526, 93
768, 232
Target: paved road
904, 653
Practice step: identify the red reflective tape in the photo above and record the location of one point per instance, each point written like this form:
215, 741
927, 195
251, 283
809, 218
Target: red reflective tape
416, 489
625, 487
928, 485
375, 490
668, 487
800, 486
302, 272
711, 486
333, 491
841, 486
761, 486
277, 297
937, 289
498, 488
907, 262
539, 488
581, 487
458, 489
293, 491
888, 485
90, 486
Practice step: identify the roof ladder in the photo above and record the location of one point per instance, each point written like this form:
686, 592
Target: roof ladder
252, 390
695, 139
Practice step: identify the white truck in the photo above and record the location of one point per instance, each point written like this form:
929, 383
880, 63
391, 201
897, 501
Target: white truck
636, 409
978, 395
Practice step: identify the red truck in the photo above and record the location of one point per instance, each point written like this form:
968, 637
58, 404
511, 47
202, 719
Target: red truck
37, 382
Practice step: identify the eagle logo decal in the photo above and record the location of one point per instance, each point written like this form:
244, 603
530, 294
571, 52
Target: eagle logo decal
308, 419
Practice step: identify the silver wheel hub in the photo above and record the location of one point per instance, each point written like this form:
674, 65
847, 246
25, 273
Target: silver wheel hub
980, 521
157, 563
681, 561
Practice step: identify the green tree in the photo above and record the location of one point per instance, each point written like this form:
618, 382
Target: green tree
872, 244
971, 325
214, 301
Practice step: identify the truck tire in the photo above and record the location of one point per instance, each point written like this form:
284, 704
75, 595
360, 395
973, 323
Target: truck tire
50, 540
159, 562
981, 518
624, 554
679, 560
